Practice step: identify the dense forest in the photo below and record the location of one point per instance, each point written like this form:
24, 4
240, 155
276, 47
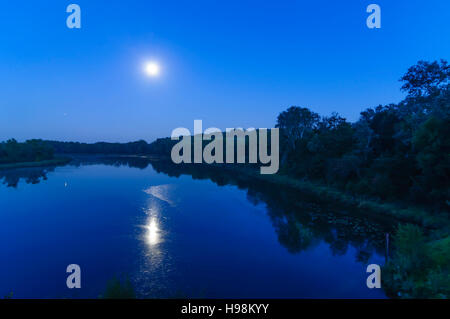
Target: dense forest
393, 152
131, 148
12, 151
34, 150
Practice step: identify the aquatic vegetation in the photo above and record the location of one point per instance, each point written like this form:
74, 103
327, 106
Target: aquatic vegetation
119, 289
418, 268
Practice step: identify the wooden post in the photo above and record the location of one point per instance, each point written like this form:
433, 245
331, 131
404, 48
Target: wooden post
387, 247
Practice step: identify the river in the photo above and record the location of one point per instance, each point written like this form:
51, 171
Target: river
178, 232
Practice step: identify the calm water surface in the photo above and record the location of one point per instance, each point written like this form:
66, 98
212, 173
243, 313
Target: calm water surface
176, 234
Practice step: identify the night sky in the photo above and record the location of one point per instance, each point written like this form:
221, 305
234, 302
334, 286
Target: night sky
229, 63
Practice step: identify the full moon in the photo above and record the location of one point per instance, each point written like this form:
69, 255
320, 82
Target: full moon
152, 69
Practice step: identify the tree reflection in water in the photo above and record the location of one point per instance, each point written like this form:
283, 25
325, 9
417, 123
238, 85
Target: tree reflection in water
31, 175
300, 220
34, 175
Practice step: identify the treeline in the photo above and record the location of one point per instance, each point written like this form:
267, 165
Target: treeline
12, 151
131, 148
36, 150
393, 152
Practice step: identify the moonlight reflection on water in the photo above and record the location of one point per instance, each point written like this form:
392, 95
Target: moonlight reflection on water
153, 237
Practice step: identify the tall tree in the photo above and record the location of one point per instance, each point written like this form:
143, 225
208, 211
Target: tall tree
426, 78
295, 122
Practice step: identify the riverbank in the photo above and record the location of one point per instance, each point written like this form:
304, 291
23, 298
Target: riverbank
421, 251
400, 211
52, 162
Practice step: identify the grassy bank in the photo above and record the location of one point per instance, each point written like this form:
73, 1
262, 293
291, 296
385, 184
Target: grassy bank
399, 211
419, 267
52, 162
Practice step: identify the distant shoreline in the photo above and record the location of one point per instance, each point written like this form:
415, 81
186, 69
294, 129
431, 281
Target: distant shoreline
52, 162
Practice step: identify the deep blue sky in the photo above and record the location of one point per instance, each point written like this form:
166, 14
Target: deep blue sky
229, 63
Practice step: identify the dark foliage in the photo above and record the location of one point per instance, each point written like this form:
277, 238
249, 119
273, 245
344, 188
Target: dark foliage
393, 152
131, 148
12, 151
